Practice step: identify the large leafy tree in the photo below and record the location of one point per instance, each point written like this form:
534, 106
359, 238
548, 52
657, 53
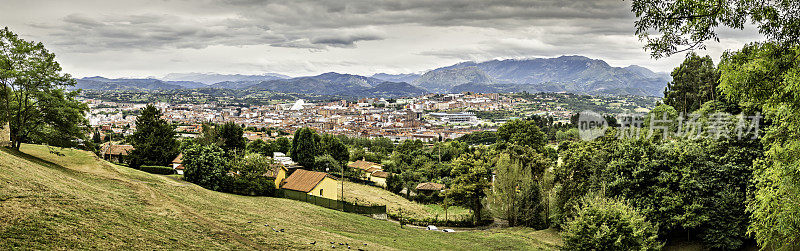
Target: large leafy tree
608, 224
205, 166
248, 176
694, 82
697, 187
394, 184
209, 135
672, 26
523, 132
282, 144
577, 176
472, 176
515, 194
35, 105
767, 77
154, 141
761, 76
305, 146
331, 145
231, 139
261, 147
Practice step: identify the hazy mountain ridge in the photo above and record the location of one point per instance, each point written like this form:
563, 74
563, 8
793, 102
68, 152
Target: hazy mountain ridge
388, 90
324, 84
213, 78
101, 83
441, 80
408, 77
234, 84
575, 74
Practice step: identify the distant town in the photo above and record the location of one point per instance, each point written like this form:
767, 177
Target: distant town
431, 117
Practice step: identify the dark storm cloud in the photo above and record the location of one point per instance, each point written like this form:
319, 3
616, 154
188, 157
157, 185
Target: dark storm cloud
320, 24
82, 32
127, 37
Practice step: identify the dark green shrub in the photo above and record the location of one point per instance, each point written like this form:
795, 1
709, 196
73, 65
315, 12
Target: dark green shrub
259, 186
607, 224
157, 169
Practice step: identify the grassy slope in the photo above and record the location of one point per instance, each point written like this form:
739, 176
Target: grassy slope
374, 195
76, 201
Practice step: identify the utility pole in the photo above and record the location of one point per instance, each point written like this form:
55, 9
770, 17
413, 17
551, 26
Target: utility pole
342, 187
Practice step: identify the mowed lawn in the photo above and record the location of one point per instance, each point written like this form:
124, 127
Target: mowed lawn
54, 198
364, 194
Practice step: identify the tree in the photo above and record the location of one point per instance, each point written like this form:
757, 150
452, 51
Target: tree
608, 224
394, 184
96, 137
249, 176
760, 77
765, 77
305, 146
472, 175
670, 27
515, 194
697, 187
408, 147
662, 120
208, 135
261, 147
335, 148
325, 163
479, 138
694, 82
154, 140
381, 145
576, 177
36, 107
522, 132
282, 144
231, 139
205, 166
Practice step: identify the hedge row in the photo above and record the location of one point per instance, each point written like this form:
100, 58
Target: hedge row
157, 169
461, 222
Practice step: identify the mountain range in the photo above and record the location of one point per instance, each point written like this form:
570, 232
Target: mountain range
213, 78
575, 74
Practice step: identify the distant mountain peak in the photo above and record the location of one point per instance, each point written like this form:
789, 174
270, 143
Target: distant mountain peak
568, 73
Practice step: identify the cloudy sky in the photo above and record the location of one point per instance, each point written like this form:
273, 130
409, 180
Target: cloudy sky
297, 37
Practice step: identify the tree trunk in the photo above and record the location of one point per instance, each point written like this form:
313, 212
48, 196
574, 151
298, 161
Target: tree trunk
5, 138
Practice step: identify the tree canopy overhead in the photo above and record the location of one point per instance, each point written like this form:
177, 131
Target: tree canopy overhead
35, 104
761, 77
672, 26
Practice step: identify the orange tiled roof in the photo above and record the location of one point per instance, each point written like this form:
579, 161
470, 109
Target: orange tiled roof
380, 174
273, 172
363, 165
178, 159
430, 186
118, 149
303, 180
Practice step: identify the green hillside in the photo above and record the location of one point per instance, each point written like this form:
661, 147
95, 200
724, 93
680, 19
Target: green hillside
78, 201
